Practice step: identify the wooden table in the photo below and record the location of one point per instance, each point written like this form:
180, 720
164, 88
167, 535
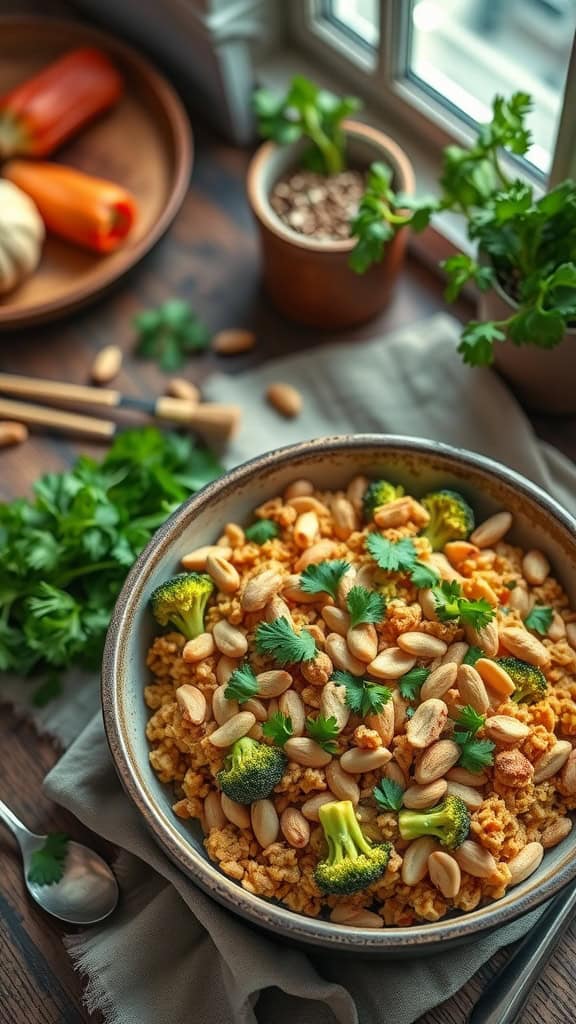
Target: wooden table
209, 257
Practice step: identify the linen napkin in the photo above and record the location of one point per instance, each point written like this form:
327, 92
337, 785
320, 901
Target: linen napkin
169, 953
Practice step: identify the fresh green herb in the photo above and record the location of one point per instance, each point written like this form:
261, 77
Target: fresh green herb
362, 696
261, 531
410, 683
324, 732
48, 690
242, 684
511, 585
278, 728
410, 712
287, 647
470, 720
400, 556
473, 654
539, 619
388, 795
476, 754
423, 576
169, 333
66, 552
451, 605
47, 863
323, 577
365, 606
310, 112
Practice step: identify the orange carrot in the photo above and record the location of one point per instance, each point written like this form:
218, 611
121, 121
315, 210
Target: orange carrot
39, 115
91, 212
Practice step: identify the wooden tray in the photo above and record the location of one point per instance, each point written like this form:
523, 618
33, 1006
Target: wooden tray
144, 143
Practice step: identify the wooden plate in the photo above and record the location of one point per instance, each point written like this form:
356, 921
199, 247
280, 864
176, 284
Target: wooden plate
144, 143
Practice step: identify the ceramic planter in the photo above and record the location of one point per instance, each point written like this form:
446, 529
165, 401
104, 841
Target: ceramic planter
309, 280
543, 379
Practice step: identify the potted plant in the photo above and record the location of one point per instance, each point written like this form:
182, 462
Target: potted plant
304, 187
526, 263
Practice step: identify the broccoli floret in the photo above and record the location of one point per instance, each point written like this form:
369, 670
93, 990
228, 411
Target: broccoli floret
379, 492
251, 770
529, 680
352, 862
448, 821
181, 601
451, 518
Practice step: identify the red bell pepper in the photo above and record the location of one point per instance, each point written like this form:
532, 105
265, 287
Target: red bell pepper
39, 115
90, 212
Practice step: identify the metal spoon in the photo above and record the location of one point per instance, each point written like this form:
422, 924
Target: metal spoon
87, 892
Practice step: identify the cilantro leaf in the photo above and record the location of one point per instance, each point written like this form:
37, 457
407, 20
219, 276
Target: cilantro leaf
472, 655
392, 556
539, 619
476, 754
286, 646
462, 268
362, 696
278, 728
169, 333
477, 342
470, 720
388, 794
261, 531
242, 684
47, 863
323, 577
365, 606
324, 732
410, 683
450, 605
423, 576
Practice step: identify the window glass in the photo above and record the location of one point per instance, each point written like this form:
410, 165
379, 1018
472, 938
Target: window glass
359, 17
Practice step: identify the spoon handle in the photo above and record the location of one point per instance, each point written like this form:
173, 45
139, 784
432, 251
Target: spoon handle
22, 834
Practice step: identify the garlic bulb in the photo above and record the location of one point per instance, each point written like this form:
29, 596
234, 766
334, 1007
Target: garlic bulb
21, 236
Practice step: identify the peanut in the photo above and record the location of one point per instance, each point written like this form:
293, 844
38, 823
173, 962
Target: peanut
258, 709
306, 752
295, 828
258, 590
192, 703
339, 654
350, 579
491, 530
298, 489
436, 761
552, 761
276, 608
341, 783
202, 646
223, 573
222, 708
505, 729
362, 642
238, 814
511, 768
265, 823
486, 638
286, 399
526, 862
418, 797
427, 603
356, 490
305, 529
391, 663
106, 364
229, 640
427, 723
475, 859
179, 387
415, 860
232, 341
535, 567
213, 813
557, 628
569, 774
312, 806
308, 503
571, 634
523, 645
439, 681
422, 645
393, 771
273, 683
345, 518
494, 676
458, 551
333, 704
337, 620
396, 513
12, 433
383, 723
466, 778
472, 689
355, 917
292, 590
356, 761
224, 669
196, 560
520, 600
556, 832
232, 730
319, 552
290, 703
471, 797
444, 873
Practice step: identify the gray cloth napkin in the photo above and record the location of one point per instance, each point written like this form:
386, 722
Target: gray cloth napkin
169, 953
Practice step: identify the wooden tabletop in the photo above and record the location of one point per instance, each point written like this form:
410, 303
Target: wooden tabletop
210, 258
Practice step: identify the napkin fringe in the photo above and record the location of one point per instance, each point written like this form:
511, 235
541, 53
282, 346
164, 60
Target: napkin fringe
95, 996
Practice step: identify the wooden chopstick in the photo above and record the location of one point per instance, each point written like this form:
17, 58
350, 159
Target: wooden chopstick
213, 422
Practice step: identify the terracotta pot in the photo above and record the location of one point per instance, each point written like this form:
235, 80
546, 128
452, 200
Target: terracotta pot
309, 280
543, 379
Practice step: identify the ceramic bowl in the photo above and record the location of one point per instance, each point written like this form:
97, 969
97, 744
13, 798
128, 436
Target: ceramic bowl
330, 462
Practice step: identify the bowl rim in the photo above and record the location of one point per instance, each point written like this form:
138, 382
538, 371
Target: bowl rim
422, 938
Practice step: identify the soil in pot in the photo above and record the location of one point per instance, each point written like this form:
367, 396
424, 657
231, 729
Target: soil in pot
318, 205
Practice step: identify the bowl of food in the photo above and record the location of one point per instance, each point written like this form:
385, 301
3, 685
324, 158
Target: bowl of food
339, 686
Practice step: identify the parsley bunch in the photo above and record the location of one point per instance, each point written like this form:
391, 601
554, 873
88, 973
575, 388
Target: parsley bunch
169, 333
65, 553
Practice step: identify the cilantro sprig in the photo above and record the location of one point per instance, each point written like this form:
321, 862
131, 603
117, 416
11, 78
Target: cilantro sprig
278, 728
363, 697
47, 863
280, 640
475, 754
412, 682
450, 606
323, 577
324, 732
401, 556
388, 795
261, 531
242, 684
473, 654
365, 606
169, 333
539, 619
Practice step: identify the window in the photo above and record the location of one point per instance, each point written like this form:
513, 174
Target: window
438, 63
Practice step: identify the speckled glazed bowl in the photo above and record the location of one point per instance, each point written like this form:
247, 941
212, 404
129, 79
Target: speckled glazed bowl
329, 462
